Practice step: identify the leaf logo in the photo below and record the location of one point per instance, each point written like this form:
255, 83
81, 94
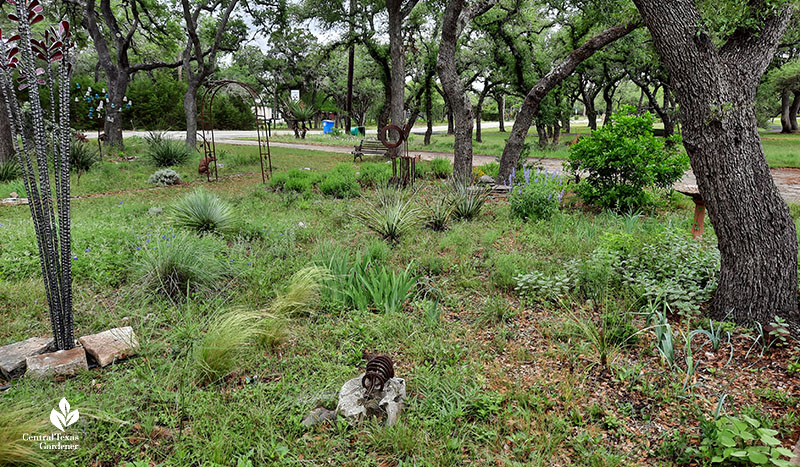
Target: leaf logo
65, 418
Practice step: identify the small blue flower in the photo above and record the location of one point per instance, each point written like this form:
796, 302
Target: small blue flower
88, 250
74, 258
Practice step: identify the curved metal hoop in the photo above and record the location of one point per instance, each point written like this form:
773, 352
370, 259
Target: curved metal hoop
207, 126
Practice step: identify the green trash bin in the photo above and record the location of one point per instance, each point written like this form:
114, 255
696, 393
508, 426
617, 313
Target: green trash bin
362, 130
354, 131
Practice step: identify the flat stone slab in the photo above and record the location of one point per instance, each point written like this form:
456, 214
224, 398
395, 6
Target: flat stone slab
59, 363
13, 201
12, 356
109, 346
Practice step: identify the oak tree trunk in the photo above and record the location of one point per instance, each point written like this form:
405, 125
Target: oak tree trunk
530, 106
501, 112
460, 105
113, 122
715, 88
786, 105
190, 108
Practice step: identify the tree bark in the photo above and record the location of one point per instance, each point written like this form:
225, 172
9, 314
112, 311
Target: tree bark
793, 112
530, 107
786, 105
460, 106
113, 122
716, 88
501, 111
190, 108
428, 116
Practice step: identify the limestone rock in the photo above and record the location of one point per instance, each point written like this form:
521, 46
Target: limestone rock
318, 415
59, 363
12, 356
486, 180
109, 346
386, 404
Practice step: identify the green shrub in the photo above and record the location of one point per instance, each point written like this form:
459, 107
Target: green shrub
9, 171
203, 212
164, 152
468, 200
671, 269
491, 169
441, 168
620, 161
340, 182
534, 201
164, 177
391, 217
178, 265
374, 174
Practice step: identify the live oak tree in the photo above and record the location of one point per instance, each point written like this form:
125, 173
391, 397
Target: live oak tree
114, 29
456, 16
222, 34
715, 73
530, 106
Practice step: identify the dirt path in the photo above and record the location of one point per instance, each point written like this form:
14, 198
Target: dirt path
787, 180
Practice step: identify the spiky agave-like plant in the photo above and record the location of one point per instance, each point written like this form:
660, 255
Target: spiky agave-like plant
41, 66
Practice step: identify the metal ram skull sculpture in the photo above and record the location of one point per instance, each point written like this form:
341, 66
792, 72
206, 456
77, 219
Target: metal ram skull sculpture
38, 69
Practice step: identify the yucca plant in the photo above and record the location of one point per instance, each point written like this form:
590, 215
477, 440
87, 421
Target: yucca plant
439, 211
9, 171
203, 212
299, 113
175, 266
468, 200
41, 65
165, 152
392, 216
82, 157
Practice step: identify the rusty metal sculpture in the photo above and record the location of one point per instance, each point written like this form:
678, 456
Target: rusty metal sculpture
207, 127
408, 163
379, 370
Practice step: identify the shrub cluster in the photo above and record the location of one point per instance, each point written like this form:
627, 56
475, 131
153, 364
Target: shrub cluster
670, 270
535, 194
164, 177
339, 182
620, 161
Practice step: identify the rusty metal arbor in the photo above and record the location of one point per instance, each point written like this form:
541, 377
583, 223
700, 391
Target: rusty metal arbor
207, 127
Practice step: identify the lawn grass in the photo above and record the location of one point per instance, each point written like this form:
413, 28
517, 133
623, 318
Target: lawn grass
780, 150
493, 378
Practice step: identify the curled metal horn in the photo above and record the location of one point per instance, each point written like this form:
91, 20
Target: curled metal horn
379, 370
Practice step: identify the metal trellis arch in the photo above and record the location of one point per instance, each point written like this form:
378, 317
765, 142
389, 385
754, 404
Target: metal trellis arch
207, 127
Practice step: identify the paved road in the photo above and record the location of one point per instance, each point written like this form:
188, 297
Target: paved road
787, 180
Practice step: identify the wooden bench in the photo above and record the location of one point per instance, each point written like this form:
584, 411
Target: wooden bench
369, 146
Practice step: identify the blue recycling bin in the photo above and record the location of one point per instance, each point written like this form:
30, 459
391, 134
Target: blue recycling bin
327, 126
